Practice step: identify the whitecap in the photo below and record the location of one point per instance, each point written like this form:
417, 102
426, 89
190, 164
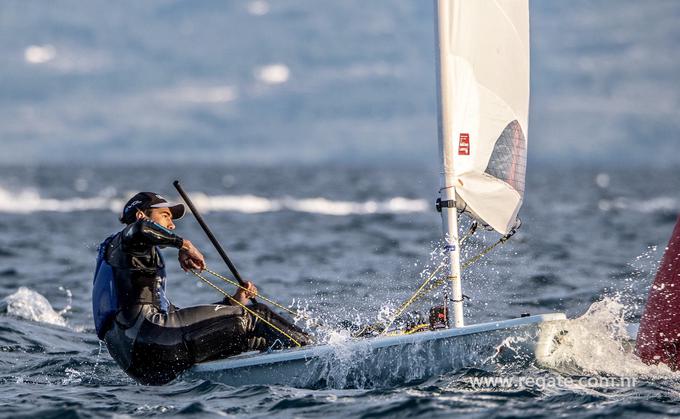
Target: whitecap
602, 180
273, 73
39, 54
248, 204
31, 305
258, 8
28, 201
201, 94
645, 206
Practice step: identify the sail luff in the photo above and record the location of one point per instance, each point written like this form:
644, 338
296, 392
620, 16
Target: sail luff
483, 65
447, 191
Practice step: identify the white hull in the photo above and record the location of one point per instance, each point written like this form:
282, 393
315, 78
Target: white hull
384, 361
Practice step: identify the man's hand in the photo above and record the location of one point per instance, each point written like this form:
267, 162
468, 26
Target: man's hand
243, 296
190, 258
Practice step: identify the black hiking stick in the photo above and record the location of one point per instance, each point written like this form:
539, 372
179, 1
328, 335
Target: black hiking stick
210, 235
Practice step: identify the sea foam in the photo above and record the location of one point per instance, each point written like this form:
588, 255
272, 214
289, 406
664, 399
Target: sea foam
28, 304
598, 343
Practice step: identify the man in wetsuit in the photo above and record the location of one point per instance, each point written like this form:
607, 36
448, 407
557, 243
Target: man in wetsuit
152, 340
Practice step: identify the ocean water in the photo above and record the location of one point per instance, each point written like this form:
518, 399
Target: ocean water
347, 242
305, 81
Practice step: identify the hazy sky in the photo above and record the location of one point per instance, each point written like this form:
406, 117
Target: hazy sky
317, 82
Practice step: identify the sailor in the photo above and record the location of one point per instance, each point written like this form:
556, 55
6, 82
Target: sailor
152, 340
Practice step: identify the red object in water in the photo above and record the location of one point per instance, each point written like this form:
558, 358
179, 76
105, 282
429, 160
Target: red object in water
659, 334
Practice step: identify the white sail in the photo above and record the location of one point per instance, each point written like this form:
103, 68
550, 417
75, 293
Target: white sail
483, 74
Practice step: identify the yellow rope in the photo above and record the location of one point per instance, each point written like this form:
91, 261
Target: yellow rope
207, 281
483, 253
417, 295
417, 328
274, 303
294, 313
410, 300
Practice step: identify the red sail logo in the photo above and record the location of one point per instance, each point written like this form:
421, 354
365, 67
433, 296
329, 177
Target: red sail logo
464, 145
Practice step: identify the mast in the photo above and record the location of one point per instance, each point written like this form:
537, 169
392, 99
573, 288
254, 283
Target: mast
482, 52
447, 200
452, 248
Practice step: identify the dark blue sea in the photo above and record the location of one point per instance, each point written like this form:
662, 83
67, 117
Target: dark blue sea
347, 242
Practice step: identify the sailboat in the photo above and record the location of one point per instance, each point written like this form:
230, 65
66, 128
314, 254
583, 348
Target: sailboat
483, 105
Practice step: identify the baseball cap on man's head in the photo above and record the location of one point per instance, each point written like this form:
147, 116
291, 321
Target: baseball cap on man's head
148, 200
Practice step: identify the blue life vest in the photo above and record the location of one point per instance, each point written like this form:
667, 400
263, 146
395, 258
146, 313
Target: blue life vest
104, 295
164, 302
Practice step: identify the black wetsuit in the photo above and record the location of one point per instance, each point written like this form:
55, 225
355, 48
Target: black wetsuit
152, 340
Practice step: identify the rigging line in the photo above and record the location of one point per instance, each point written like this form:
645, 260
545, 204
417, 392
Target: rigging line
483, 253
434, 285
419, 294
471, 261
410, 300
274, 303
416, 296
207, 281
470, 232
293, 313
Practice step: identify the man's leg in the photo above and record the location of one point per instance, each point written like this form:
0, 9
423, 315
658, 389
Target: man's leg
213, 330
218, 331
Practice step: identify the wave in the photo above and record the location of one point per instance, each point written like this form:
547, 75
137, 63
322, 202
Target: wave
661, 204
31, 305
29, 201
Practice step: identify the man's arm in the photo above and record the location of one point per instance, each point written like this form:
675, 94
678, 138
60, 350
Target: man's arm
243, 296
144, 233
